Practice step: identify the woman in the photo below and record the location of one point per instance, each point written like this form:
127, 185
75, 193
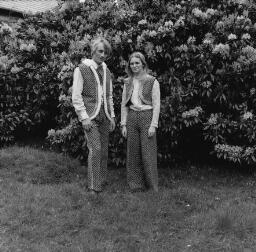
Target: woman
139, 119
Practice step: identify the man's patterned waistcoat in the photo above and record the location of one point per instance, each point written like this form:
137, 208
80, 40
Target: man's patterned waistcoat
91, 89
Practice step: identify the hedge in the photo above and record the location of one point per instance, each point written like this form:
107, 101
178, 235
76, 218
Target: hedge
202, 53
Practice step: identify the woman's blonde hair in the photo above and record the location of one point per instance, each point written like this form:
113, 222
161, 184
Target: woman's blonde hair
140, 56
95, 43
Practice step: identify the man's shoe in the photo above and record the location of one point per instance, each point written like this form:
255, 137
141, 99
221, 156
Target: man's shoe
93, 192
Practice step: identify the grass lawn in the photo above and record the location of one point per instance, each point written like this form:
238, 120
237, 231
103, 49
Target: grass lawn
44, 206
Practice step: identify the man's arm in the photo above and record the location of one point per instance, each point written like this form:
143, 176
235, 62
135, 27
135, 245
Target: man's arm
77, 99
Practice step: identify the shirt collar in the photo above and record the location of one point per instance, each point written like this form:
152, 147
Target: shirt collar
91, 62
95, 64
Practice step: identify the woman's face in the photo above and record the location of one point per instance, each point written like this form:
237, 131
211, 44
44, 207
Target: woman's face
136, 65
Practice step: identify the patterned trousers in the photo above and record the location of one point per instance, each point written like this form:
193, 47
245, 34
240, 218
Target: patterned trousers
97, 142
141, 151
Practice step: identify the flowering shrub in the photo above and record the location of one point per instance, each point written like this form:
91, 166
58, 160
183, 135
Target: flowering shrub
202, 52
68, 139
235, 153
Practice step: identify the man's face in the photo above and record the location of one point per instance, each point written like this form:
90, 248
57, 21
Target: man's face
99, 54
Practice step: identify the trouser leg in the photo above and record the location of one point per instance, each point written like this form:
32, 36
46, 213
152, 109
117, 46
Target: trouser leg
133, 162
104, 138
149, 151
94, 160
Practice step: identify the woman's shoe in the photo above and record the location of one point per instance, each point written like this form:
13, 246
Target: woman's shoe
135, 190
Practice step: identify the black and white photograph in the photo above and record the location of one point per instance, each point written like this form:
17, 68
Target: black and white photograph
127, 126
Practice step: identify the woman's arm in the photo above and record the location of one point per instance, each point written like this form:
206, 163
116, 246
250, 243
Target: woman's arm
111, 103
156, 101
124, 108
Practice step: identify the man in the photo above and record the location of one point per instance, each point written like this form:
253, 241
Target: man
93, 102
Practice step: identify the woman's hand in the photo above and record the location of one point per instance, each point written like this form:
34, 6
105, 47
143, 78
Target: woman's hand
151, 131
124, 131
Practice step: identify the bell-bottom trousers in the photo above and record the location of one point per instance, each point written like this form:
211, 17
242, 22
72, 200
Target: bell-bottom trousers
97, 142
141, 151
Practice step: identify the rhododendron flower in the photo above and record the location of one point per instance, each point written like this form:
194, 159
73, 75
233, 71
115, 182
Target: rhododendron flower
3, 62
183, 48
168, 24
210, 12
27, 47
237, 67
206, 84
246, 36
152, 33
249, 54
233, 151
213, 119
142, 22
222, 49
180, 22
232, 36
207, 41
192, 112
249, 151
198, 13
191, 40
239, 18
5, 28
51, 132
252, 91
15, 69
220, 25
247, 115
242, 1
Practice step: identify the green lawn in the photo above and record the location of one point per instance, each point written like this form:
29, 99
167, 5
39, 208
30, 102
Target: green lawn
44, 206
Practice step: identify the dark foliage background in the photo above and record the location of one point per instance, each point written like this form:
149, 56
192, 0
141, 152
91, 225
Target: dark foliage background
202, 53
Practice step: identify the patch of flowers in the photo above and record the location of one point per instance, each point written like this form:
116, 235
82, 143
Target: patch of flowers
247, 116
235, 153
206, 84
232, 153
5, 28
204, 15
61, 135
180, 22
222, 49
27, 47
142, 22
195, 112
232, 36
213, 119
246, 36
3, 62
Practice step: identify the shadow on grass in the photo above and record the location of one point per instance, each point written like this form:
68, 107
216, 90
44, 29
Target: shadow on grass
39, 167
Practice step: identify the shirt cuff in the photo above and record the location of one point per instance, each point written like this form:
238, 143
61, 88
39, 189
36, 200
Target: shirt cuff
123, 124
154, 125
83, 115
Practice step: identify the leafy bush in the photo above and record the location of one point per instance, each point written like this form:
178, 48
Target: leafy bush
202, 53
